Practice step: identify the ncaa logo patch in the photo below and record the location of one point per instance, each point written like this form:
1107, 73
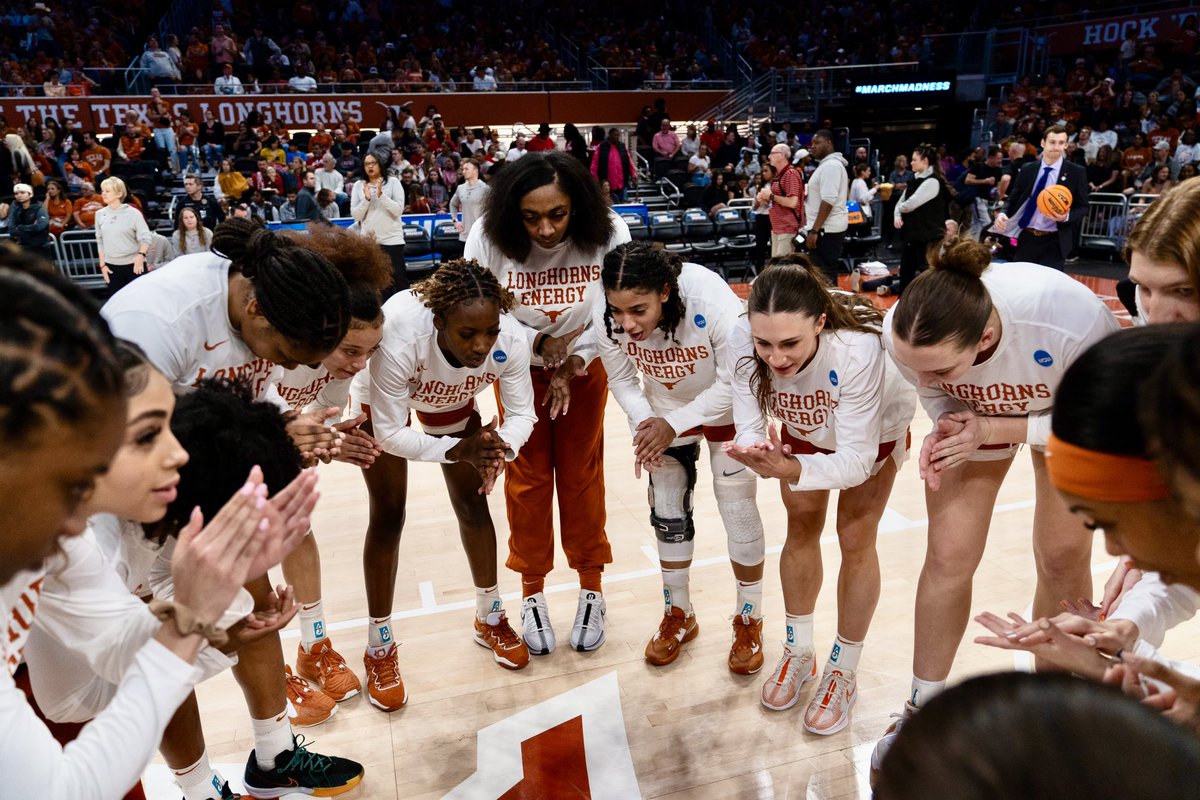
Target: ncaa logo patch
1043, 358
500, 356
699, 320
833, 378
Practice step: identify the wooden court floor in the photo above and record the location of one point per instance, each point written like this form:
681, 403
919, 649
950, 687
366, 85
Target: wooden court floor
606, 724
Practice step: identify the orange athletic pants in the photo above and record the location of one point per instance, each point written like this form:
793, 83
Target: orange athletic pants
566, 453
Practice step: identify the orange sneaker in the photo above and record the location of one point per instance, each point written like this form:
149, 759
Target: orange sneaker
385, 689
676, 627
507, 648
745, 656
829, 711
312, 705
782, 689
327, 669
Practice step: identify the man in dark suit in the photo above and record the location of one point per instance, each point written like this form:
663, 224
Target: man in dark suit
1043, 239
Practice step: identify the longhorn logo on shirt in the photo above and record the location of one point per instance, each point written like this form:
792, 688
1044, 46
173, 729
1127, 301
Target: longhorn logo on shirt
669, 386
552, 315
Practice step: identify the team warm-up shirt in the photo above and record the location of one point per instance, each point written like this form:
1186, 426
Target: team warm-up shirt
409, 371
111, 752
1047, 320
848, 400
90, 623
312, 387
179, 315
557, 289
682, 377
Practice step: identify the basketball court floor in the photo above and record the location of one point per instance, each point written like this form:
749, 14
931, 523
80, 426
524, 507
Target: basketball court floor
606, 725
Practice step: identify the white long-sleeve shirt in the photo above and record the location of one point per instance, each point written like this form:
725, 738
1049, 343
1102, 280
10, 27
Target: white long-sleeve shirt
180, 318
111, 752
926, 192
312, 387
847, 400
120, 234
381, 216
557, 289
682, 377
1157, 607
1047, 319
410, 372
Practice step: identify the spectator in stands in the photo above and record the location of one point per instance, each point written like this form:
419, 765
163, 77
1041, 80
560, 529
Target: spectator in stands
690, 144
223, 47
467, 203
483, 80
612, 162
159, 113
206, 208
307, 209
159, 65
122, 237
29, 222
716, 194
576, 145
287, 210
700, 167
52, 87
329, 178
748, 167
1188, 151
979, 185
227, 82
729, 153
436, 191
1043, 239
712, 136
185, 135
58, 207
786, 196
190, 235
233, 183
211, 141
645, 128
666, 146
1104, 136
543, 141
348, 163
327, 201
268, 181
98, 157
23, 165
86, 206
132, 142
1159, 181
76, 170
303, 82
861, 192
258, 53
1103, 174
1161, 158
273, 152
825, 205
518, 149
261, 209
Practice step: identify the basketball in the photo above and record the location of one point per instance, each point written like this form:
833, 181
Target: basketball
1054, 200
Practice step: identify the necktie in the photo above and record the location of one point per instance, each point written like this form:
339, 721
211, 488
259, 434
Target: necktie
1031, 203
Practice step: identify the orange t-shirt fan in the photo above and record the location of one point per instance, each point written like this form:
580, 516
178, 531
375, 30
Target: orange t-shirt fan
1054, 200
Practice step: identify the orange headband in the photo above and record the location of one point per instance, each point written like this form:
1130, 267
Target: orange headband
1103, 476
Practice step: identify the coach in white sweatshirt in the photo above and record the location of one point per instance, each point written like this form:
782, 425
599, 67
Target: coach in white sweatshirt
825, 205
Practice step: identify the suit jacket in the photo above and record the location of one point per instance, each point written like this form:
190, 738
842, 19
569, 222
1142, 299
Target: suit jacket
1072, 176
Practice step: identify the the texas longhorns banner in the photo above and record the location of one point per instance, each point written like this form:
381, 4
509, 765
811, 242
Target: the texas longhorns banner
1108, 33
100, 114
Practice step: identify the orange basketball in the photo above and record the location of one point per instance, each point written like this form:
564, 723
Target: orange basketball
1054, 200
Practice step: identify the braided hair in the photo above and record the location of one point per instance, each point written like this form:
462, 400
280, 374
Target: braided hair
793, 285
461, 281
362, 262
57, 356
298, 291
640, 266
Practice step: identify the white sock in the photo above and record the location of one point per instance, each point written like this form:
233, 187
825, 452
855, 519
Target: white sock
749, 599
312, 624
799, 633
488, 602
675, 589
272, 736
199, 781
379, 635
924, 691
845, 654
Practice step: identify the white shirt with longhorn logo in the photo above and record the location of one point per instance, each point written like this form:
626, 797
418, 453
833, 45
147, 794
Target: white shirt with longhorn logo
557, 289
179, 316
849, 399
306, 387
410, 372
1047, 319
682, 377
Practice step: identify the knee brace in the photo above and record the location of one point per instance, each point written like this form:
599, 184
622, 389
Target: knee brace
735, 487
670, 497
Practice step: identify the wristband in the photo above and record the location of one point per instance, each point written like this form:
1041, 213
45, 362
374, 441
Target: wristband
186, 623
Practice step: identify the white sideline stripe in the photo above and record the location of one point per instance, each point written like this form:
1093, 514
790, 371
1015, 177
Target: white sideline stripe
892, 522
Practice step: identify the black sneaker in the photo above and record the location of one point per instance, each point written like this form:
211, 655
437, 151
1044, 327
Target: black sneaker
300, 771
227, 793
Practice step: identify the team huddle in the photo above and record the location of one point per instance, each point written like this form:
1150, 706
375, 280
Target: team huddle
228, 373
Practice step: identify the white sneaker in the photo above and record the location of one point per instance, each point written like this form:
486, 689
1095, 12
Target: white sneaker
535, 619
884, 744
829, 711
588, 631
782, 688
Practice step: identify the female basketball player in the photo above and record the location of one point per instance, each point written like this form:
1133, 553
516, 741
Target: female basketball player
1163, 252
816, 363
986, 348
63, 412
544, 234
444, 342
665, 330
258, 303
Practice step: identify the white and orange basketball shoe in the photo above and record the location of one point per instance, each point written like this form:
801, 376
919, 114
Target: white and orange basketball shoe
782, 688
829, 711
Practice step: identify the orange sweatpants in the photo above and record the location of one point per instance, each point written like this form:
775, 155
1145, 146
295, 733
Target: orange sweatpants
566, 453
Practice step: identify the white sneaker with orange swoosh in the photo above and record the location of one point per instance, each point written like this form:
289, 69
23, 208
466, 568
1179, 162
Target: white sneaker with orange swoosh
829, 711
782, 688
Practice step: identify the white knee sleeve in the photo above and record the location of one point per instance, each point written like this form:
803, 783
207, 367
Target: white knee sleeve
735, 487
